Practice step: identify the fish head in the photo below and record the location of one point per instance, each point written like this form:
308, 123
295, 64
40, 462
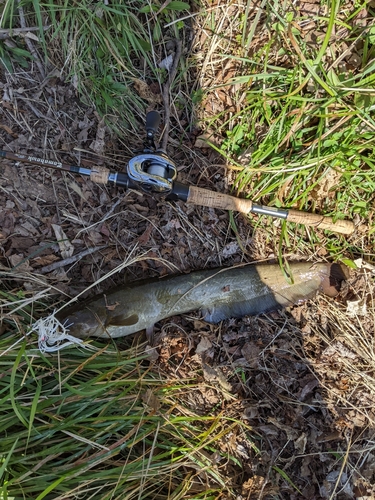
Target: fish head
89, 321
82, 322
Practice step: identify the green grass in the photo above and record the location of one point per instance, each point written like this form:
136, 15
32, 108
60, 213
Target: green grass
101, 424
102, 48
99, 43
306, 123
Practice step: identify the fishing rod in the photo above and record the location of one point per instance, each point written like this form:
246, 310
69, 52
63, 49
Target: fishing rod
154, 172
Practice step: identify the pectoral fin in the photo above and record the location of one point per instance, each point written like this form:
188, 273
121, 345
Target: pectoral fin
121, 321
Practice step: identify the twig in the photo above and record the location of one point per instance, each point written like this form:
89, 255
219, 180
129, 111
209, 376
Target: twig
29, 43
165, 4
36, 112
70, 260
344, 462
8, 33
166, 96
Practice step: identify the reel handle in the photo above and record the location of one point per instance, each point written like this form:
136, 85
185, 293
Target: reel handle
152, 123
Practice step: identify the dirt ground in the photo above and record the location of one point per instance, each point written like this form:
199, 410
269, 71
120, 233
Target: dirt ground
293, 376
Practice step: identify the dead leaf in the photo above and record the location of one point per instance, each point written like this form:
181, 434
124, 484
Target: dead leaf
26, 228
45, 260
99, 144
250, 351
146, 93
30, 35
21, 242
19, 261
66, 248
151, 400
203, 345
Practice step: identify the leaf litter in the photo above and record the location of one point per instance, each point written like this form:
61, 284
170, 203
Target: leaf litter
302, 379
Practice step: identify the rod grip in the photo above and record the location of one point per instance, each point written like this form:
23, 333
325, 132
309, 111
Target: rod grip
320, 221
207, 198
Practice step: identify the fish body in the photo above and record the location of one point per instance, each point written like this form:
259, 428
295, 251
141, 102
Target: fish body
218, 294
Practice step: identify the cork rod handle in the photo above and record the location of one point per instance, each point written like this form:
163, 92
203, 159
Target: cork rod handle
320, 221
207, 198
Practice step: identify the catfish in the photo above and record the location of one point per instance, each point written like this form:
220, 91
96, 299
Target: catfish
218, 294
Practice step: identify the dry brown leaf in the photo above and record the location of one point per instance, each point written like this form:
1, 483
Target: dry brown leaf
66, 248
8, 130
329, 181
21, 242
151, 400
99, 144
146, 93
45, 260
17, 260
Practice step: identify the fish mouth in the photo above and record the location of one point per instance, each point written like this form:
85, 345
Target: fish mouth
331, 283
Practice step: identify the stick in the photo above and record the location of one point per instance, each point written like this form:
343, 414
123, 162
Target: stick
69, 260
165, 95
9, 33
207, 198
29, 43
